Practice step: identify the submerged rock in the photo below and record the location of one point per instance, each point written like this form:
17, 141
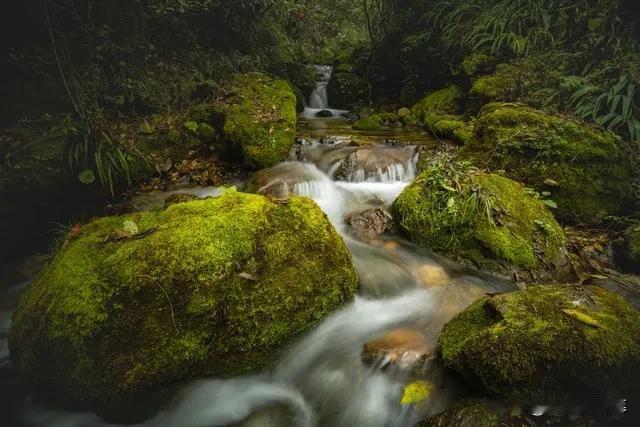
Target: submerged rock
484, 218
210, 287
590, 172
259, 118
406, 349
370, 223
547, 342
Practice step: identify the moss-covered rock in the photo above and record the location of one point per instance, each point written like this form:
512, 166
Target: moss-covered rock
389, 117
439, 111
488, 219
371, 123
548, 342
442, 102
446, 127
260, 118
589, 167
502, 85
475, 63
347, 90
469, 413
209, 287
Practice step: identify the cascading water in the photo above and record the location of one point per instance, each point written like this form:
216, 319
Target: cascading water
319, 98
322, 380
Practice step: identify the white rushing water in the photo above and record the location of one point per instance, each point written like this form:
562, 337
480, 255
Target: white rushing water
322, 379
319, 98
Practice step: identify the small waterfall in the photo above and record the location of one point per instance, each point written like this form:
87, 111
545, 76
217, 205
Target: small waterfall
319, 99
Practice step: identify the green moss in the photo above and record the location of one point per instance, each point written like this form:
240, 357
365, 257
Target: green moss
446, 128
260, 118
389, 117
501, 85
410, 120
209, 287
472, 64
591, 170
468, 413
464, 134
403, 112
524, 345
486, 218
441, 102
371, 123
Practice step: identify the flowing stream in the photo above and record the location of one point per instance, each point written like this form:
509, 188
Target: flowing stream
325, 379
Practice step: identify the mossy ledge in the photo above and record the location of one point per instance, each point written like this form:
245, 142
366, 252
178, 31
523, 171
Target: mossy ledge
588, 169
210, 287
260, 118
549, 341
487, 219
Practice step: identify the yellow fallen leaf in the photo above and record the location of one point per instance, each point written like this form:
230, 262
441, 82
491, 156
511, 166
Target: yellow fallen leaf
416, 392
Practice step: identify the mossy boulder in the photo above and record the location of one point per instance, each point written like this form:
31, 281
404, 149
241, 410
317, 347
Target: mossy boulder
347, 90
492, 221
587, 169
502, 85
209, 287
371, 123
440, 106
259, 118
444, 101
548, 341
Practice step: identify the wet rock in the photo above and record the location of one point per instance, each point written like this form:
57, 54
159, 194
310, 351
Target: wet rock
406, 349
432, 275
324, 113
179, 198
121, 318
280, 181
548, 342
370, 223
380, 162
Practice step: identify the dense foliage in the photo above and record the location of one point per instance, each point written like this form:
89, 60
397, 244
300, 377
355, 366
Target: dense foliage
588, 51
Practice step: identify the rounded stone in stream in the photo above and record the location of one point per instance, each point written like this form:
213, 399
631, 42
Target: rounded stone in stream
210, 287
370, 223
547, 342
324, 114
406, 349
